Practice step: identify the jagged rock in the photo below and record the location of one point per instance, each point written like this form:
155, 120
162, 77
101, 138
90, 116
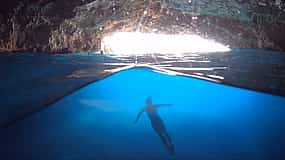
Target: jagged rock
45, 26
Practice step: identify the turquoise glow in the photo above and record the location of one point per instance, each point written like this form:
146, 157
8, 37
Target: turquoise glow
206, 121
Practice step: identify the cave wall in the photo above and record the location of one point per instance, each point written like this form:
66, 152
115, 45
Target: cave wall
60, 26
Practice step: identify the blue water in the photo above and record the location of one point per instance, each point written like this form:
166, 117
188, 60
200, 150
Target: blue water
206, 121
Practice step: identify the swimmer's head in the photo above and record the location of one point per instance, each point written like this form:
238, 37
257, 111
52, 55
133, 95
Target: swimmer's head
149, 101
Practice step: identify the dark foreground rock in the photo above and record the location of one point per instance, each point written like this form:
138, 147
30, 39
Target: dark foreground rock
31, 82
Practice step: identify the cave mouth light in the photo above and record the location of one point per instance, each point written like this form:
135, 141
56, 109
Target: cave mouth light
133, 43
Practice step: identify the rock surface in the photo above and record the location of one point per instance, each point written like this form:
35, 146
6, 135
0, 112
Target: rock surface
79, 25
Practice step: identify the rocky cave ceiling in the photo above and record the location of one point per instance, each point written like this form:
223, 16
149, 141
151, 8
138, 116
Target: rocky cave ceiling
73, 25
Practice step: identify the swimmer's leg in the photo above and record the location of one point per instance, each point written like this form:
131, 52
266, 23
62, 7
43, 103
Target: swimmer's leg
167, 142
168, 138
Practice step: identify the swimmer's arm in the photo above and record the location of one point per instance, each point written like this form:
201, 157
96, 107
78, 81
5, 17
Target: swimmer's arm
138, 116
162, 105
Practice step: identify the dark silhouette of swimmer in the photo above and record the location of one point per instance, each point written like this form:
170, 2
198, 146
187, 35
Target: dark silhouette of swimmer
157, 123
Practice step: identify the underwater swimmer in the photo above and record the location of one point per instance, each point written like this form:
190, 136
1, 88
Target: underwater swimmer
157, 123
